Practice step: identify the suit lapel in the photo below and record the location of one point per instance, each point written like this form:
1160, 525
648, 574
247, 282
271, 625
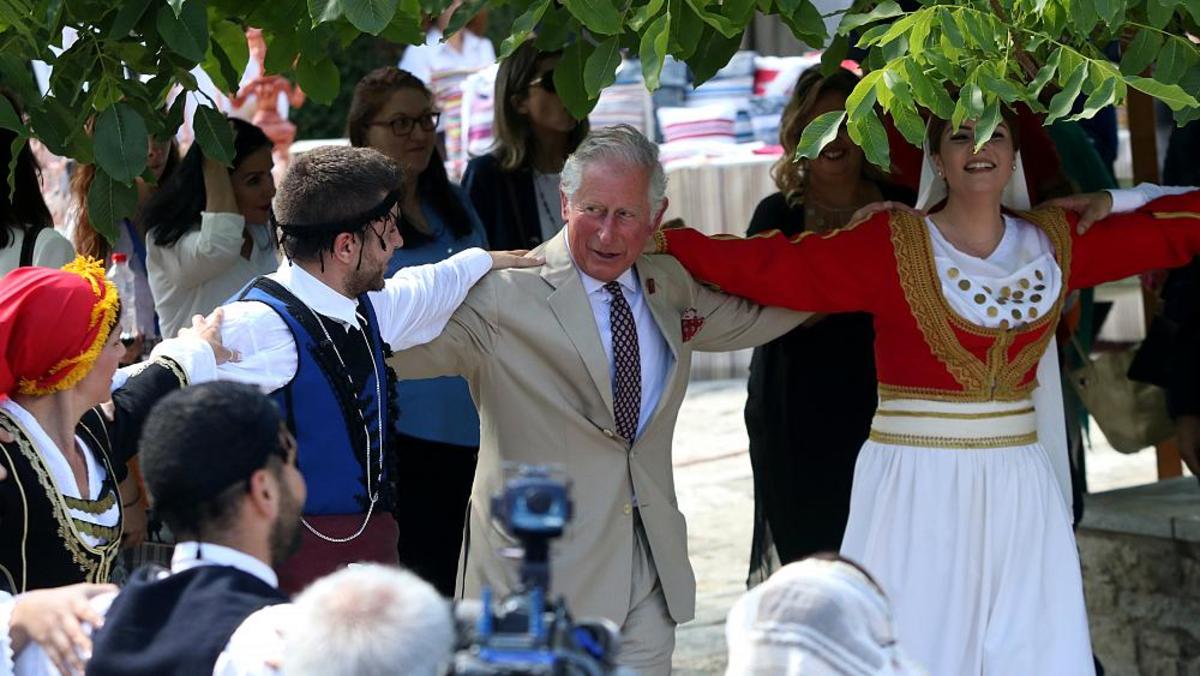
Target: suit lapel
571, 307
666, 316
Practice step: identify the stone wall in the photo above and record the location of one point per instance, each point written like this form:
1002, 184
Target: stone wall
1142, 581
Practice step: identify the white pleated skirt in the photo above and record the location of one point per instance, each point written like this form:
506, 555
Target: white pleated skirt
972, 543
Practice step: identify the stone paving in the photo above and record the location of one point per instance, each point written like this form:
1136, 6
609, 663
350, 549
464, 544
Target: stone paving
713, 483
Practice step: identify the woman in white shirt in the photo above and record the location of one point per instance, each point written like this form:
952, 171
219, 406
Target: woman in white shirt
24, 216
206, 229
462, 51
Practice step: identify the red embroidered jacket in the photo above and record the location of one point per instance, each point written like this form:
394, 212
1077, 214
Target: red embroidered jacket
884, 266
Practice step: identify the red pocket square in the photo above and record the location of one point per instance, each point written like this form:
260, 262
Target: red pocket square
691, 323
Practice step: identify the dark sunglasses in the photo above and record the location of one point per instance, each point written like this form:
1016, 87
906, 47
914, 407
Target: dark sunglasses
546, 82
403, 126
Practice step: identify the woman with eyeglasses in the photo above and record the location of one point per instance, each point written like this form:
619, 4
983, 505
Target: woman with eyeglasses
438, 428
515, 186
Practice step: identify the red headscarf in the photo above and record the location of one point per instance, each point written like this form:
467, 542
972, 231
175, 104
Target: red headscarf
53, 325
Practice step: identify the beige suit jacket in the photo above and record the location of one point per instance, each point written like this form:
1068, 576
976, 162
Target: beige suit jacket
526, 341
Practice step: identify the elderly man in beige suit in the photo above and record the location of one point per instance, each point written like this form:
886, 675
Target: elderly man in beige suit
583, 363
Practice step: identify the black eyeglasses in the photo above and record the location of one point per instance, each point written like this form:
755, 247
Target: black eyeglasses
403, 126
546, 82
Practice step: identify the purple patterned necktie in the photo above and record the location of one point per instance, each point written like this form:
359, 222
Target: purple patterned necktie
627, 364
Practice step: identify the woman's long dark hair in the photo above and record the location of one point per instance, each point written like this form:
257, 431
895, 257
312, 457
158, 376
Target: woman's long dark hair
433, 184
175, 208
515, 139
26, 207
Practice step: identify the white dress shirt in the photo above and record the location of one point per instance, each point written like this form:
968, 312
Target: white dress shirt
413, 308
1132, 199
255, 645
655, 354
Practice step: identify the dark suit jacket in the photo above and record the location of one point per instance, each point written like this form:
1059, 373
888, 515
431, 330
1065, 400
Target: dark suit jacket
506, 203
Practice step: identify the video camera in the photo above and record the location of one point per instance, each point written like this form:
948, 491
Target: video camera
523, 635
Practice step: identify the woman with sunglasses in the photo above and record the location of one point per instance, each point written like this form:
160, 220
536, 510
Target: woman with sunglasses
515, 186
438, 429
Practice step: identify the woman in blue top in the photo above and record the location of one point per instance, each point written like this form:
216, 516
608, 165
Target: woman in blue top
438, 441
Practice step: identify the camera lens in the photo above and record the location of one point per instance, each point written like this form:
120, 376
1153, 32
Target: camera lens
538, 502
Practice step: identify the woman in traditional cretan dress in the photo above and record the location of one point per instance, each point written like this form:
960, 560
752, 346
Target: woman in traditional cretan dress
955, 508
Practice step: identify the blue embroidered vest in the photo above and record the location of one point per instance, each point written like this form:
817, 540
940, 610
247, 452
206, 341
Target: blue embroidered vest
329, 411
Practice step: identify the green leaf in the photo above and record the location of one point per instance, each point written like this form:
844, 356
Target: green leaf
919, 34
121, 142
653, 50
557, 26
1159, 13
1061, 104
282, 49
523, 27
1174, 60
645, 13
369, 16
1193, 8
18, 77
973, 95
949, 25
686, 30
108, 202
214, 134
908, 121
187, 34
9, 119
405, 27
869, 134
712, 54
127, 17
1141, 52
324, 11
601, 68
832, 58
175, 116
461, 17
600, 16
318, 78
227, 55
1172, 95
720, 23
928, 93
807, 25
176, 6
1099, 98
980, 30
987, 123
1001, 87
1083, 15
884, 10
52, 123
1045, 73
862, 99
819, 133
569, 78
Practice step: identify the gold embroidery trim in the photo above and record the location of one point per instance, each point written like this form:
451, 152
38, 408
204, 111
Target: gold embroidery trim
893, 392
1174, 214
109, 533
997, 378
100, 506
174, 367
9, 425
660, 242
921, 441
93, 571
949, 415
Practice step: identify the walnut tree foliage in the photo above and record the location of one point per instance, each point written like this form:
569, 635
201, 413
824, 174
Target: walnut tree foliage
131, 54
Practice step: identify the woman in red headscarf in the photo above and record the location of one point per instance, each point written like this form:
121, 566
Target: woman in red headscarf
60, 511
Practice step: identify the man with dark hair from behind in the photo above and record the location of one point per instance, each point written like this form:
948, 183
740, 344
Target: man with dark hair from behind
220, 467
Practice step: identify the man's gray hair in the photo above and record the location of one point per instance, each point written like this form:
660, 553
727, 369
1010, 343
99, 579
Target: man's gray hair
369, 620
621, 143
